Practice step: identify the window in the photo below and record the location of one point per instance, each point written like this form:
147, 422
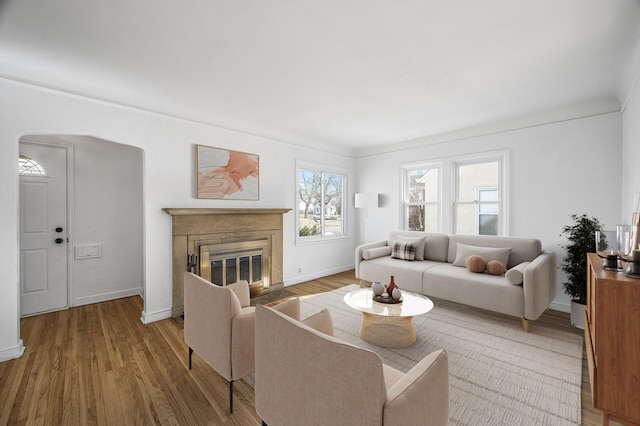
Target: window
28, 166
320, 202
422, 198
459, 195
478, 205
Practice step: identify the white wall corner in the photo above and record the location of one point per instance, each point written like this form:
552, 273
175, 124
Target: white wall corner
11, 353
148, 318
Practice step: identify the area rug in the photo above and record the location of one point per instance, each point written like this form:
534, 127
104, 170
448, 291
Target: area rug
499, 375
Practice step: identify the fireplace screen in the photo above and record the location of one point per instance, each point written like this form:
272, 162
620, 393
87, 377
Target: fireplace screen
228, 263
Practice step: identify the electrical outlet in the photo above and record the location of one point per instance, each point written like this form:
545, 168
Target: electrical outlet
299, 270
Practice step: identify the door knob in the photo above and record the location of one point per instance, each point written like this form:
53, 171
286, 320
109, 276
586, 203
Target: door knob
59, 240
58, 229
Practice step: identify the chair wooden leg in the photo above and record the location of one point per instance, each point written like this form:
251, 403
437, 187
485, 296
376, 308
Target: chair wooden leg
190, 356
525, 324
231, 396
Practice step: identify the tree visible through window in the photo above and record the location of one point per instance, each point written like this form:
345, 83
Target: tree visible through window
320, 203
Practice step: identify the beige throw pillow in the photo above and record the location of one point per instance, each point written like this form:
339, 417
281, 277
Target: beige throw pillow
463, 251
515, 275
372, 253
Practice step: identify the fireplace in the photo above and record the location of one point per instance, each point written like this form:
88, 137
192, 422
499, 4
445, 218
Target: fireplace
226, 245
224, 264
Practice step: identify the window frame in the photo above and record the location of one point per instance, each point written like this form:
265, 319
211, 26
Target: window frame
407, 204
448, 188
323, 169
501, 157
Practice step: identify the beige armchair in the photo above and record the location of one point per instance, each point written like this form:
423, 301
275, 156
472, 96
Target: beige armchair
219, 325
304, 376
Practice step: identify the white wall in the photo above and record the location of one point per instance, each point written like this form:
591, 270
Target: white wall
108, 210
554, 170
631, 152
168, 146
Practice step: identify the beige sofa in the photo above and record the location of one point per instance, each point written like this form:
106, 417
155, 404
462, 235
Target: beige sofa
525, 290
304, 376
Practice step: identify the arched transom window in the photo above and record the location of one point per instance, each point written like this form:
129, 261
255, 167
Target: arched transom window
28, 166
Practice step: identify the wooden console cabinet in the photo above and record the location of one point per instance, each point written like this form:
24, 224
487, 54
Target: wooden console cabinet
612, 339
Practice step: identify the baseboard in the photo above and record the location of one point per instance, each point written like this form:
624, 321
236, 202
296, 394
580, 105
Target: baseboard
148, 318
12, 353
560, 307
80, 301
302, 278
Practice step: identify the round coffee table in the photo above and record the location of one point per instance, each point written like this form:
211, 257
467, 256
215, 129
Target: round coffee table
388, 325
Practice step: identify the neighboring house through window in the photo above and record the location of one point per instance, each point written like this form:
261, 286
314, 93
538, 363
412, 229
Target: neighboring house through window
475, 203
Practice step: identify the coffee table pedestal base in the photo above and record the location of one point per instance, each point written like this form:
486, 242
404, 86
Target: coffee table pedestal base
387, 332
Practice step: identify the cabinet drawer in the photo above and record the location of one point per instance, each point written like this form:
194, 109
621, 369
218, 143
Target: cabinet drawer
591, 361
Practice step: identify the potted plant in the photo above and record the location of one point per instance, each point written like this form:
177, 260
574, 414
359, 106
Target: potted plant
581, 236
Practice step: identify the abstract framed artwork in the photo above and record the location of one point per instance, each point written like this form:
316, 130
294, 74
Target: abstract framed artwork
223, 174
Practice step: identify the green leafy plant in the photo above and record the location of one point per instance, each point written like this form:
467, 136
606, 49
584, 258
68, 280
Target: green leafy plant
581, 236
307, 231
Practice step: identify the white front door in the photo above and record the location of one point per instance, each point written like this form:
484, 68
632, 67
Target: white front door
43, 230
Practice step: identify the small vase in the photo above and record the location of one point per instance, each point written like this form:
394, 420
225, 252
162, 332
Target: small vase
391, 286
378, 288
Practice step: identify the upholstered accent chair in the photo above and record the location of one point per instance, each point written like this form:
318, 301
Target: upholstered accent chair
306, 376
219, 325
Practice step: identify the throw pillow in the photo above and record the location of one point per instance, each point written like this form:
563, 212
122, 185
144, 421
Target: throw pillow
475, 263
372, 253
404, 251
419, 243
495, 268
463, 251
515, 275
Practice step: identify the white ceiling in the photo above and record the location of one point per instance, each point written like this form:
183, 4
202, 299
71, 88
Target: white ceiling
347, 75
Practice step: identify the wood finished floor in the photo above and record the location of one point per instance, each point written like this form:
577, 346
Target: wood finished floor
98, 364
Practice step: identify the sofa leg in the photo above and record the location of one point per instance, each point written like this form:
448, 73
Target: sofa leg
231, 397
525, 324
361, 283
190, 356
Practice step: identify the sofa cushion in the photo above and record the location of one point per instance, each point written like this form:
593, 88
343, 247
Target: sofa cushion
463, 251
404, 251
522, 249
495, 268
372, 253
486, 291
475, 263
436, 245
515, 275
407, 275
417, 241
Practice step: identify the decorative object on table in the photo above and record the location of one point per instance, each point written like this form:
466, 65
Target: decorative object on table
392, 285
607, 249
635, 224
396, 294
581, 236
226, 174
378, 288
632, 268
